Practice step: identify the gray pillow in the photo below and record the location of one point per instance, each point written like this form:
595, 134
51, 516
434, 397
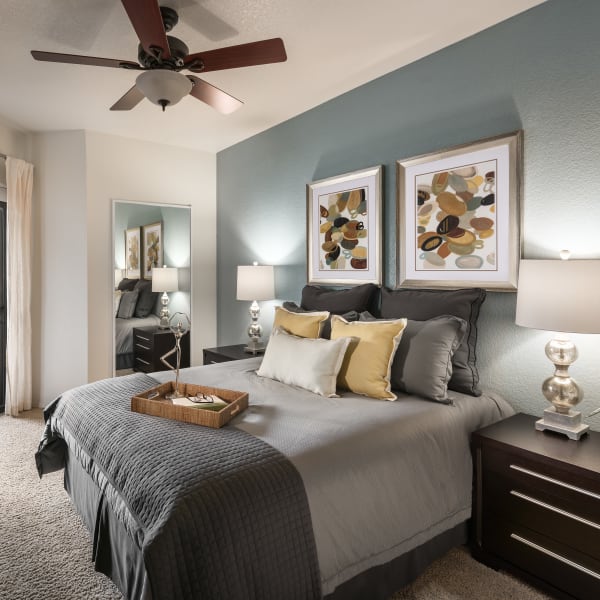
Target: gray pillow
337, 302
127, 284
127, 305
146, 300
423, 362
326, 327
421, 305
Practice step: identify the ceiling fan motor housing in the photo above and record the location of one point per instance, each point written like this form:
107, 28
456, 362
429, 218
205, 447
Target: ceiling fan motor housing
170, 18
179, 51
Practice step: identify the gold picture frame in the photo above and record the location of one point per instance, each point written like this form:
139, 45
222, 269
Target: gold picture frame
458, 216
344, 215
153, 248
133, 253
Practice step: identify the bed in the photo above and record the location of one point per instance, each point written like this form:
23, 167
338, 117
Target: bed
301, 496
124, 338
135, 305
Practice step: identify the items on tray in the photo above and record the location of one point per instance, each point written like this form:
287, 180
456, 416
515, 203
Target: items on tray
201, 400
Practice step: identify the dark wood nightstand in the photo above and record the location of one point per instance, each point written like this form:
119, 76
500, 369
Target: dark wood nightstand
226, 353
150, 343
537, 506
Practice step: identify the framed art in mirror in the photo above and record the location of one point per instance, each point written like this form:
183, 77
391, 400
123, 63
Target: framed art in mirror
344, 228
132, 253
153, 248
458, 217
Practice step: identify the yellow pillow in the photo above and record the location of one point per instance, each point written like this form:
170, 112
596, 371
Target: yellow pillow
368, 361
306, 325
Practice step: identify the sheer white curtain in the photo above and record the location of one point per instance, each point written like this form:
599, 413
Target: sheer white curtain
19, 185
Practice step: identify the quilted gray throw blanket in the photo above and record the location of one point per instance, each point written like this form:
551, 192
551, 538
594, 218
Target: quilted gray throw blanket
216, 513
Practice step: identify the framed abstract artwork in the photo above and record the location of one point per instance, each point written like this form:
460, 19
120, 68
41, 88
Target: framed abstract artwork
458, 217
132, 253
153, 248
344, 228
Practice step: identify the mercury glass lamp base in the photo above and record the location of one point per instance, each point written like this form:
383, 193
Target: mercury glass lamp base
254, 347
568, 424
164, 312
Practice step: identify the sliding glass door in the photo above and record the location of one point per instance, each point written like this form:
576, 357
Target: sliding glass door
2, 298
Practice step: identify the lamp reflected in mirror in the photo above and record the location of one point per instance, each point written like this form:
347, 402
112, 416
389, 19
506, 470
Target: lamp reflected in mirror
164, 280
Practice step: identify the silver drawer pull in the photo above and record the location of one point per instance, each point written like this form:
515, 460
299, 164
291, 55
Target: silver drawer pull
143, 347
141, 337
142, 360
556, 481
562, 559
560, 511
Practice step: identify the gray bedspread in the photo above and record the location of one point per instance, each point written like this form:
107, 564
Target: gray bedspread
124, 331
216, 513
382, 478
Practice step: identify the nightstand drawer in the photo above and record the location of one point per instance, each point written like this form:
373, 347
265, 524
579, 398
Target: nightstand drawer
151, 343
548, 483
211, 358
141, 337
141, 364
509, 501
536, 506
569, 570
142, 349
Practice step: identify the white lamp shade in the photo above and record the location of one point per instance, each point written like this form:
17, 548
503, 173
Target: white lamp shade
163, 86
255, 282
118, 276
559, 295
165, 279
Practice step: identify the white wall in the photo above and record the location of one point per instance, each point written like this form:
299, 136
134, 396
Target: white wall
125, 169
14, 141
77, 176
59, 311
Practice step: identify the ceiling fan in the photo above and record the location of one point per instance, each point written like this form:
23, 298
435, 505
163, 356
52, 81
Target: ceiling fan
162, 57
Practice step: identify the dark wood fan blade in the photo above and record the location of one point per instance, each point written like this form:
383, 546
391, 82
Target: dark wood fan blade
148, 24
129, 100
213, 96
232, 57
76, 59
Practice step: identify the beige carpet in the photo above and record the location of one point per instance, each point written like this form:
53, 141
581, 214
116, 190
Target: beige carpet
45, 550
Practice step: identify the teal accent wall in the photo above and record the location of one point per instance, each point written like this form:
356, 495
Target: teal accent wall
540, 72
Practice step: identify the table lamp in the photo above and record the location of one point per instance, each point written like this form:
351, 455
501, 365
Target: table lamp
164, 280
560, 296
119, 274
255, 282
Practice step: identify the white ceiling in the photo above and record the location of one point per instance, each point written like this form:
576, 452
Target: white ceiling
332, 46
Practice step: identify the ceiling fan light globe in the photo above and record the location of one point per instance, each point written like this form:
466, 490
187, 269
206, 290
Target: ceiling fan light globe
163, 87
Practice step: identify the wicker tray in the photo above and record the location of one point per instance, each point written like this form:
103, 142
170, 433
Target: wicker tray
159, 406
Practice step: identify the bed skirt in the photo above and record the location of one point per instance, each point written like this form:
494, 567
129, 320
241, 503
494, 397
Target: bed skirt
118, 557
124, 361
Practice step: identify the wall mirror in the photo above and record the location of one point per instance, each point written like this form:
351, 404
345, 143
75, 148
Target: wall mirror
146, 236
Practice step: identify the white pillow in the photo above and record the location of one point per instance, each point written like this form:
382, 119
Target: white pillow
309, 363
